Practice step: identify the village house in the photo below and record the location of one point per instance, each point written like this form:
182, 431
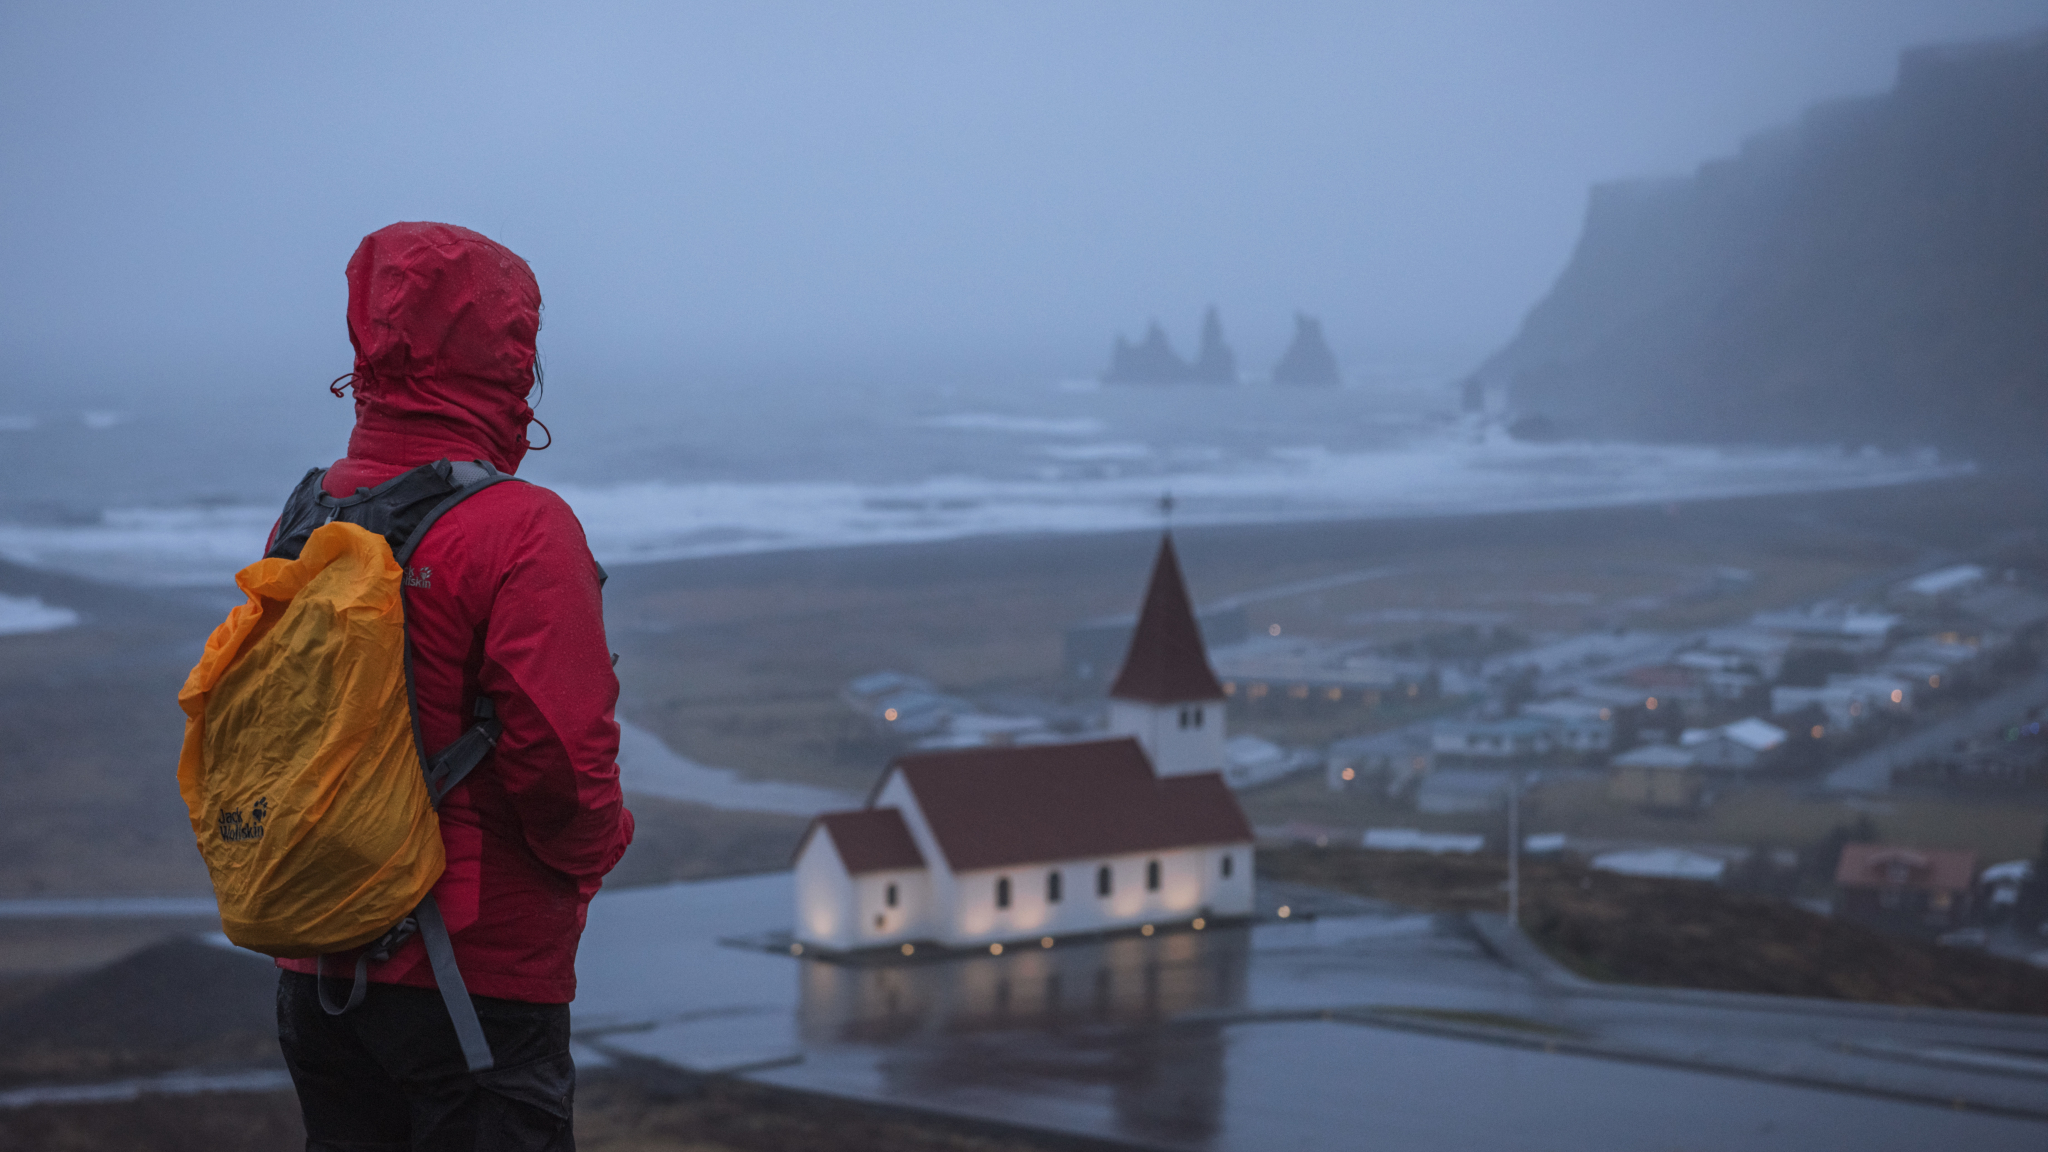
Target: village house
1463, 791
1582, 727
1850, 629
1735, 747
1937, 587
1667, 683
1517, 738
1389, 761
1846, 706
995, 845
1318, 673
1914, 891
1756, 650
1660, 777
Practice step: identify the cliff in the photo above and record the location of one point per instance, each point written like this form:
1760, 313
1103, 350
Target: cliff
1875, 274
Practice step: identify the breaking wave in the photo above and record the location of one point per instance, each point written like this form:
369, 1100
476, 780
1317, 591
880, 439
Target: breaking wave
1099, 492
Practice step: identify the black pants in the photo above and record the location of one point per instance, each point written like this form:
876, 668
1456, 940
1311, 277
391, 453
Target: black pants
389, 1074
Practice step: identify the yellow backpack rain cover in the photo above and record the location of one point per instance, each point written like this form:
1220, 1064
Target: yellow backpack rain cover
300, 768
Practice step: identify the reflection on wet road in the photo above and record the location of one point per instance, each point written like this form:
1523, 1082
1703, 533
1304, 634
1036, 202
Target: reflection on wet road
1093, 1015
1367, 1027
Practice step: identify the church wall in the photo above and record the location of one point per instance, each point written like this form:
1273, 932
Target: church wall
824, 895
895, 793
876, 923
1190, 885
1173, 749
839, 912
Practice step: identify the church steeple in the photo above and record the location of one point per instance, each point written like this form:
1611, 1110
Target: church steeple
1167, 695
1167, 662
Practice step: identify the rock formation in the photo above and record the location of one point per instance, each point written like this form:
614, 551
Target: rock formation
1309, 359
1216, 364
1153, 361
1875, 274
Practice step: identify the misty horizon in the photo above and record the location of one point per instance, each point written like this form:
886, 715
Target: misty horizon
737, 196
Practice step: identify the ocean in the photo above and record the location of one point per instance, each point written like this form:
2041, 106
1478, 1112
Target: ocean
171, 492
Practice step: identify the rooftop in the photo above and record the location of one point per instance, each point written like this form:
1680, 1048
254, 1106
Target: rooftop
1167, 662
1896, 866
991, 807
868, 840
1945, 580
1656, 756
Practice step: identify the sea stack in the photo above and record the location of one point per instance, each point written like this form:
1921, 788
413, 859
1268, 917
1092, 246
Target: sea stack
1216, 364
1309, 359
1151, 362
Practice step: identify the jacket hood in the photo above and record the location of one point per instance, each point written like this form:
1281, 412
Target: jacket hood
443, 321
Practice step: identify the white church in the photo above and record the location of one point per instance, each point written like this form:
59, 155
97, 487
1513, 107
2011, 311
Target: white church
987, 846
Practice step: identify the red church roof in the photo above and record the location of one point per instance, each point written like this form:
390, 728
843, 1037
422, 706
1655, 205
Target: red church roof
990, 807
868, 840
1167, 663
1893, 866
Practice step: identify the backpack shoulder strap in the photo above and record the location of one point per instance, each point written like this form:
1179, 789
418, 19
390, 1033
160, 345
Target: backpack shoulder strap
467, 478
444, 772
303, 512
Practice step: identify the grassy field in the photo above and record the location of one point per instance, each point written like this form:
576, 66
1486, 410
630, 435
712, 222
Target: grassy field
1758, 816
1678, 933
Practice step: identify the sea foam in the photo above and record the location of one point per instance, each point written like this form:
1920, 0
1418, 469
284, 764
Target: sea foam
1100, 492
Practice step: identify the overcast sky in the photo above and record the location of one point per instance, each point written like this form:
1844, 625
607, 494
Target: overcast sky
774, 183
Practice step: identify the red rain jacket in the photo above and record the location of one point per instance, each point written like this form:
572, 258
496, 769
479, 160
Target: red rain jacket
502, 599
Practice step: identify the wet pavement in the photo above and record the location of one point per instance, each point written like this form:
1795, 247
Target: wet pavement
1364, 1026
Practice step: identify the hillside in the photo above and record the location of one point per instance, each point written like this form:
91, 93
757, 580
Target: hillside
1876, 273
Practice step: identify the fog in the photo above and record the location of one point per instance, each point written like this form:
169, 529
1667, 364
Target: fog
771, 190
1621, 723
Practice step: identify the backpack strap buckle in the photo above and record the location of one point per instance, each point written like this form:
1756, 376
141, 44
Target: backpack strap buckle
455, 762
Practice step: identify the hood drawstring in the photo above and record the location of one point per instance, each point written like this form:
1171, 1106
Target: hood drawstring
532, 447
338, 388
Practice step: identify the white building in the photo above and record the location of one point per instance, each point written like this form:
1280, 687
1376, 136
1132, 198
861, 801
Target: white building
1847, 627
1734, 747
993, 845
1753, 649
1941, 584
1519, 737
1669, 756
1583, 726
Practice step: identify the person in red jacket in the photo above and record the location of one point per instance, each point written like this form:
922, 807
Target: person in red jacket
502, 600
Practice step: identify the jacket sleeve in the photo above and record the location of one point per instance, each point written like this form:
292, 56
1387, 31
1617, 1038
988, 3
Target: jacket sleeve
548, 670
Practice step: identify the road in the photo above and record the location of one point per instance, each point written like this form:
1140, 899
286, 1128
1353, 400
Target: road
1354, 1028
1872, 771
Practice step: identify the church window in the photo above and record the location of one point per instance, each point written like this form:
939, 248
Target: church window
1002, 891
1152, 876
1198, 716
889, 896
1052, 887
1102, 880
1228, 863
